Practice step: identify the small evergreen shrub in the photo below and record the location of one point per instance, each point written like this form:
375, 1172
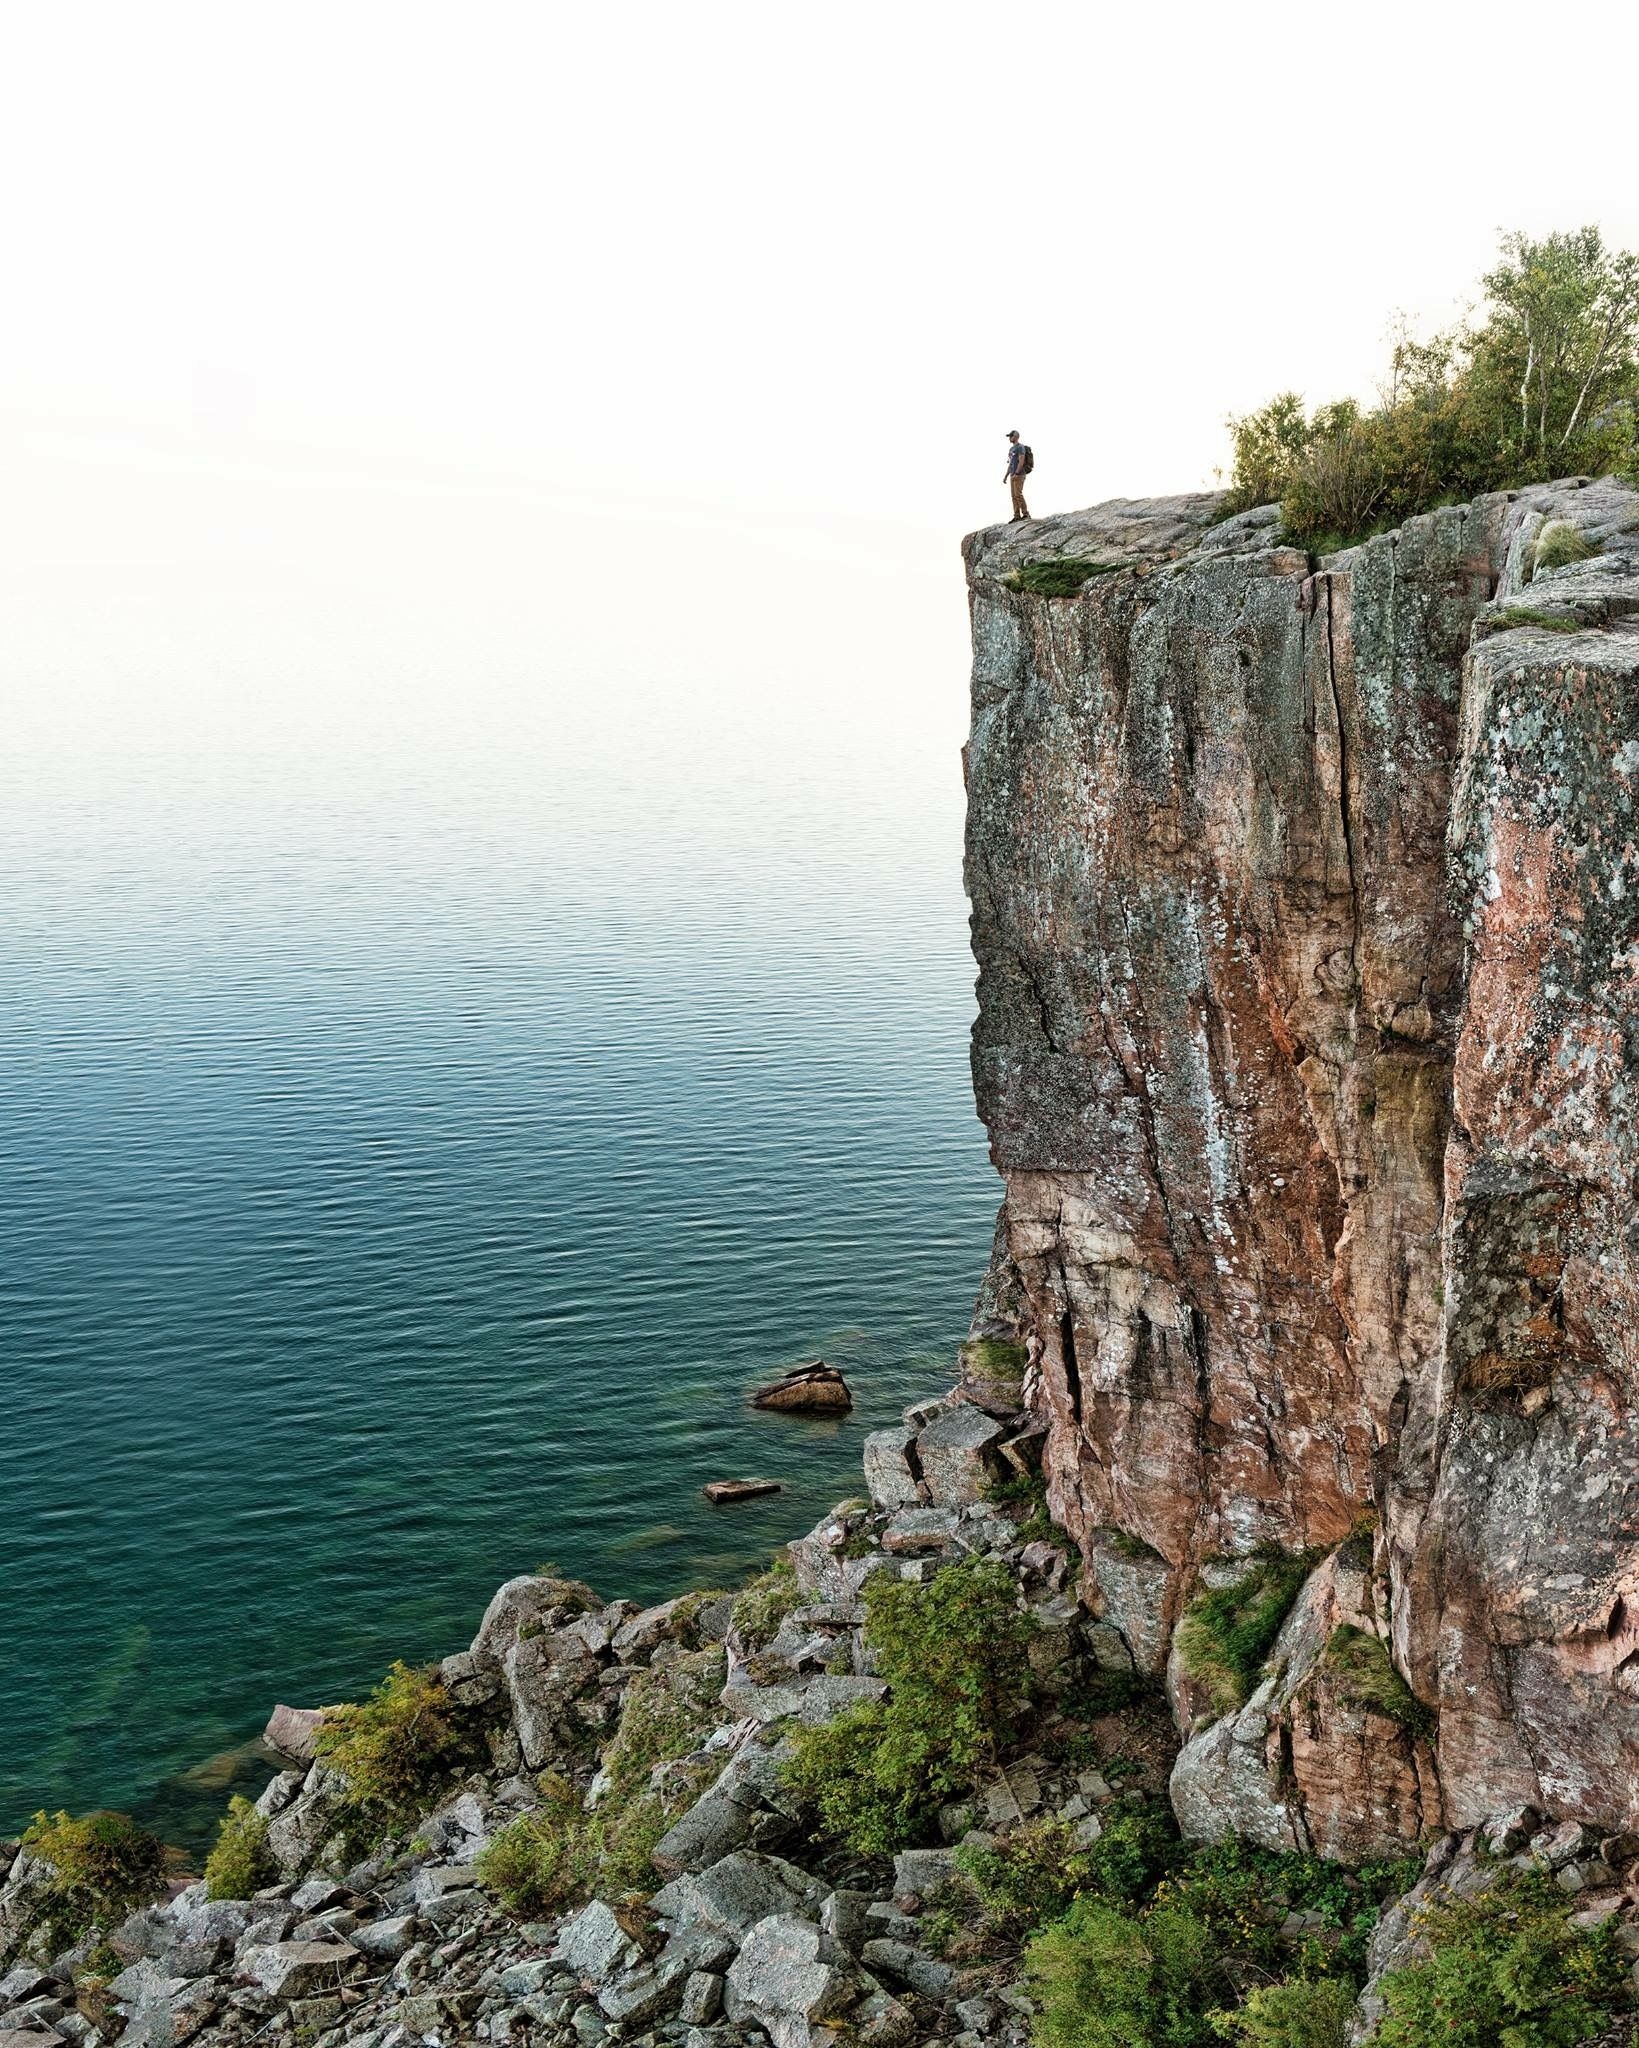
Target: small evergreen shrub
398, 1751
104, 1866
1506, 1970
953, 1654
1062, 576
1228, 1631
1560, 543
1302, 2013
1367, 1677
562, 1853
1103, 1979
760, 1607
1024, 1880
1139, 1843
240, 1861
542, 1859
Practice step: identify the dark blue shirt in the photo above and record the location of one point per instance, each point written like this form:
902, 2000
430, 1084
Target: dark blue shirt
1015, 457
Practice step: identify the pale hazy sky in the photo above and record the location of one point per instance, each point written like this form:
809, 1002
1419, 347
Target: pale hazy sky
333, 310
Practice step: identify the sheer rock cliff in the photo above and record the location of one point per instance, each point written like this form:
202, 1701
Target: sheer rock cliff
1305, 899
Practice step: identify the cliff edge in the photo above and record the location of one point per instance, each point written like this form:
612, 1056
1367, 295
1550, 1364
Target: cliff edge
1305, 899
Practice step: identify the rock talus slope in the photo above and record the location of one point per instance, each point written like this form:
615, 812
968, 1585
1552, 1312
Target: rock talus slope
1306, 906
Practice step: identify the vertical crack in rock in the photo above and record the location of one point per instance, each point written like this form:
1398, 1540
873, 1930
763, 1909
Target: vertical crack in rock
1345, 783
1067, 1350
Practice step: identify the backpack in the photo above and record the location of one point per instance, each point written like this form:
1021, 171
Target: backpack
1029, 462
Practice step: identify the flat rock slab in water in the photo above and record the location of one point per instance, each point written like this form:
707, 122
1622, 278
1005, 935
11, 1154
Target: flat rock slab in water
817, 1389
719, 1491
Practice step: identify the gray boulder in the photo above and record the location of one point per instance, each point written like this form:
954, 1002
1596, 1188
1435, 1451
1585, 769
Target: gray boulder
920, 1532
593, 1944
909, 1966
713, 1827
525, 1609
888, 1475
956, 1453
300, 1969
384, 1941
728, 1898
922, 1872
293, 1732
790, 1978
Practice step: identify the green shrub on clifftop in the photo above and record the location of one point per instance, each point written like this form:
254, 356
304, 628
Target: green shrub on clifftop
1303, 2013
563, 1852
1545, 385
1102, 1979
240, 1861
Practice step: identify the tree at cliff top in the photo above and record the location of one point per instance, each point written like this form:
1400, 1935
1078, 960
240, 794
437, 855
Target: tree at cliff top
1545, 384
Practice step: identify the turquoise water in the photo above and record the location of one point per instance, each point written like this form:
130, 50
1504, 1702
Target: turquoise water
424, 1113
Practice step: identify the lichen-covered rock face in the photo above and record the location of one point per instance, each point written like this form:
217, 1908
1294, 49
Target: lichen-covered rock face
1306, 905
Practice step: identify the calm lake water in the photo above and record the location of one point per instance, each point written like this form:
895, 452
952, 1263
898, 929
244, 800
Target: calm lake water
437, 1083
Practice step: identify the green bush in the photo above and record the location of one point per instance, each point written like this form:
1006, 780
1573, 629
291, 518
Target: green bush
1022, 1881
1366, 1676
104, 1866
561, 1853
1102, 1979
1139, 1843
1304, 2013
1506, 1969
1560, 543
240, 1861
1028, 1491
760, 1607
953, 1654
1174, 1970
1544, 385
1060, 576
1228, 1631
399, 1750
544, 1858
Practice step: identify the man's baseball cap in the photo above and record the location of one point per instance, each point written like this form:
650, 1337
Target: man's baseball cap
1011, 432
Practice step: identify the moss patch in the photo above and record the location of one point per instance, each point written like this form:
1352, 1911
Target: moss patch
1062, 576
1529, 615
1366, 1677
1228, 1632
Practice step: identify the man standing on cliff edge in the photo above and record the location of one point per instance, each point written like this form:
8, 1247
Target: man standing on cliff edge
1020, 462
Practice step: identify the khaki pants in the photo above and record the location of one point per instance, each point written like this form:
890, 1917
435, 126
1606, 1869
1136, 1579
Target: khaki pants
1020, 509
